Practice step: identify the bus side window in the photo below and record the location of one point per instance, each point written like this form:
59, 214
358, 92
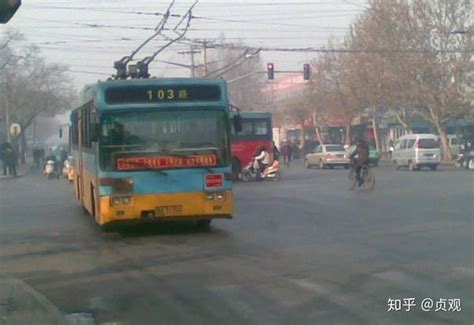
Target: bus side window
247, 128
261, 128
74, 132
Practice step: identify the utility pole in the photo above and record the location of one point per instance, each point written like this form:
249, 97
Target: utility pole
193, 73
205, 57
7, 108
193, 65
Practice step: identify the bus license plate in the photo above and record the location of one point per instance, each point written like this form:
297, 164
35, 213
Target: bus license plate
168, 210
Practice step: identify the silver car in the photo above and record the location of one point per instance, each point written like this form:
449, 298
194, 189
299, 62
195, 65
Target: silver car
417, 150
327, 155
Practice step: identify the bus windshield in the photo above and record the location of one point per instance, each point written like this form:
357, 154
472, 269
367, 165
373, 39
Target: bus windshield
163, 133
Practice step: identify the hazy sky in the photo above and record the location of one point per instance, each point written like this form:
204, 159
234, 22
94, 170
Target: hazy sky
89, 35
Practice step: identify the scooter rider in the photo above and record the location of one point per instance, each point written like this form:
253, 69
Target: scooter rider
262, 160
53, 158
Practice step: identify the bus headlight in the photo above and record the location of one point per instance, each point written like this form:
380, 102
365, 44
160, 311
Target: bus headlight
218, 196
121, 200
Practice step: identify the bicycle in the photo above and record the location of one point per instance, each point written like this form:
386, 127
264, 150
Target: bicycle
366, 174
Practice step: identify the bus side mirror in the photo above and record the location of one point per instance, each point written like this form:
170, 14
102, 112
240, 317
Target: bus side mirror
94, 132
237, 120
60, 133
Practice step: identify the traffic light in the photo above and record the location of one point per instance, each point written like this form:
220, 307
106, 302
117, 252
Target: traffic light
270, 71
8, 9
306, 71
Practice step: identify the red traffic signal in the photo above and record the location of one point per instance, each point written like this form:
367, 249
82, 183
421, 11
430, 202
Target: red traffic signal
306, 71
270, 71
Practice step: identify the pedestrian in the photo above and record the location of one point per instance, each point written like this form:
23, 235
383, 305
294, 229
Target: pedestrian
41, 154
276, 152
9, 159
285, 152
390, 148
36, 156
291, 152
2, 153
63, 157
295, 149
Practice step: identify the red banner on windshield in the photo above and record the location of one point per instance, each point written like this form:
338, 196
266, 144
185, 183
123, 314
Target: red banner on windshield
137, 163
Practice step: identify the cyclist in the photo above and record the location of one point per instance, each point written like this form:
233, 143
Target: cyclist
361, 156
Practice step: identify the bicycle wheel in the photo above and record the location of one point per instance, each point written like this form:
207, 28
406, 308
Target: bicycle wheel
369, 179
352, 179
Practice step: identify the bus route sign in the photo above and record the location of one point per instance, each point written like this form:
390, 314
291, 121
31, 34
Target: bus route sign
159, 162
162, 94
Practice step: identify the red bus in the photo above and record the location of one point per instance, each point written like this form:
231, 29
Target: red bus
256, 131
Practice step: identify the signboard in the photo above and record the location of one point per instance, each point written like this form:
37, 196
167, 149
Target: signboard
15, 129
160, 162
162, 94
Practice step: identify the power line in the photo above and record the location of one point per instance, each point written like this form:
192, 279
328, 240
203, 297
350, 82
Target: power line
251, 21
324, 50
89, 72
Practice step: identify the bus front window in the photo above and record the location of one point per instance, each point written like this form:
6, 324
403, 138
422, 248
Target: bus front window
161, 133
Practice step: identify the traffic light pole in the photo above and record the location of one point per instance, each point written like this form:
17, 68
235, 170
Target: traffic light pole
7, 108
245, 76
259, 72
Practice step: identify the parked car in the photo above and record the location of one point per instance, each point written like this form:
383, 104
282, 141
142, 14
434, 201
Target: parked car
374, 156
327, 155
416, 151
455, 144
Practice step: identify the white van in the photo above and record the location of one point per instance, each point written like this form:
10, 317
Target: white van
417, 150
455, 144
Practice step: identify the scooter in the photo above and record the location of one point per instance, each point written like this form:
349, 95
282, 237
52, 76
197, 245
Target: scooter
460, 161
49, 170
271, 172
66, 167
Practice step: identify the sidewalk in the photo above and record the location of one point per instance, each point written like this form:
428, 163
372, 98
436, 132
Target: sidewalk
21, 304
21, 171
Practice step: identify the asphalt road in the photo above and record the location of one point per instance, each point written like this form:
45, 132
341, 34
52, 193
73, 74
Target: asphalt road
304, 250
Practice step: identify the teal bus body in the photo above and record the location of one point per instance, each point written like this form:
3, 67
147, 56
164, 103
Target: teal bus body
187, 181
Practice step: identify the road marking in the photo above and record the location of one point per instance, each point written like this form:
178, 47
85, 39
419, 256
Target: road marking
354, 303
464, 270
